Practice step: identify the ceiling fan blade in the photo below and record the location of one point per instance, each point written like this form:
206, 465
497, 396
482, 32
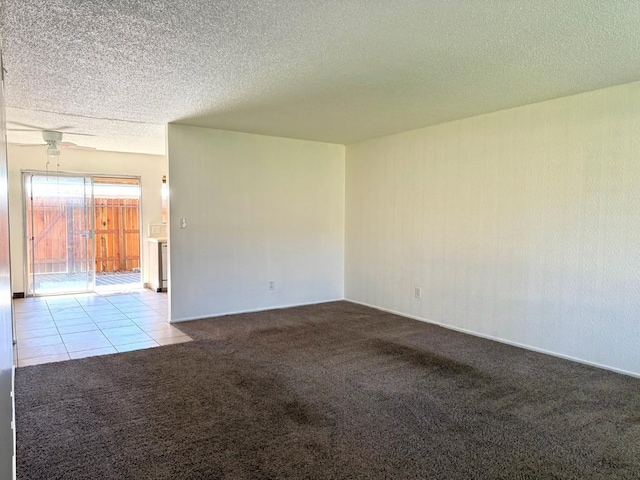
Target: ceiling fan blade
74, 146
68, 129
64, 129
80, 147
31, 144
76, 133
32, 127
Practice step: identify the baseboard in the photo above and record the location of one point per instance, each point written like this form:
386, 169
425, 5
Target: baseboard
18, 295
279, 307
150, 286
500, 340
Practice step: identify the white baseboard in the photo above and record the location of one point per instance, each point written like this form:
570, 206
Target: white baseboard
275, 307
501, 340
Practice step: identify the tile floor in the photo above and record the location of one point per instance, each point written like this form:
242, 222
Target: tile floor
57, 328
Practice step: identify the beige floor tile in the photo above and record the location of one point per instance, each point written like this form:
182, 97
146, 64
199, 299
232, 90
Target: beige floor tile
172, 340
120, 331
40, 360
68, 312
31, 307
138, 312
92, 353
154, 320
35, 333
137, 346
156, 305
22, 325
87, 345
34, 316
20, 306
120, 304
117, 340
70, 316
116, 324
82, 336
45, 351
95, 302
109, 318
159, 326
148, 313
83, 327
169, 332
65, 322
102, 311
39, 342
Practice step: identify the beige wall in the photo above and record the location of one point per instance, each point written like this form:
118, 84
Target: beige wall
258, 208
522, 225
150, 168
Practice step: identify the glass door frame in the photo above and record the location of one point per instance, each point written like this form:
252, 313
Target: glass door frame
89, 232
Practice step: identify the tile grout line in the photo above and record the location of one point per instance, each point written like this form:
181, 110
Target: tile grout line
56, 324
128, 318
101, 332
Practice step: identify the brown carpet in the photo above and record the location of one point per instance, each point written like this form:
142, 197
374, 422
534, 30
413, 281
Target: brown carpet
333, 391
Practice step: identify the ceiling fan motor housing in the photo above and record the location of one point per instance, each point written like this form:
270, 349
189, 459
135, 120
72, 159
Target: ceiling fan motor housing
51, 137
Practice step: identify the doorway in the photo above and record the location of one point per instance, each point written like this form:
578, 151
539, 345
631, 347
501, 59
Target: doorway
82, 233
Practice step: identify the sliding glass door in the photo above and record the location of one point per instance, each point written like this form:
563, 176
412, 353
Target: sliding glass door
59, 233
116, 202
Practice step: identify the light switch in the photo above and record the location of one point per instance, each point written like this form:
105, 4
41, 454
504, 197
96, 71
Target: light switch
183, 223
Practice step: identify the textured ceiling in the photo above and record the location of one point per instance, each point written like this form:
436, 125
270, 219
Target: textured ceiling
329, 70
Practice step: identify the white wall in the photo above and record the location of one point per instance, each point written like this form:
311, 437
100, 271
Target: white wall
258, 208
522, 225
7, 417
150, 168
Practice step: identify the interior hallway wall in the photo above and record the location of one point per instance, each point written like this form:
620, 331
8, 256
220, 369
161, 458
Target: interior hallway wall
7, 443
150, 168
257, 209
521, 225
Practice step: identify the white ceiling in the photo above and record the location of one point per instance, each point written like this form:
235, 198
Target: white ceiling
328, 70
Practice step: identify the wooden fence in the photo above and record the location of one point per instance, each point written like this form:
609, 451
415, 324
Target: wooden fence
58, 233
117, 234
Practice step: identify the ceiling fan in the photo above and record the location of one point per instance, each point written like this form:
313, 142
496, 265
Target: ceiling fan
53, 140
50, 135
35, 128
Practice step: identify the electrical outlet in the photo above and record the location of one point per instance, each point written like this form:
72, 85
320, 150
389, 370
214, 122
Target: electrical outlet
183, 223
272, 284
418, 292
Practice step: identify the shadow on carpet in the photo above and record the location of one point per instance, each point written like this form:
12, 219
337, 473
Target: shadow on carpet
332, 391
